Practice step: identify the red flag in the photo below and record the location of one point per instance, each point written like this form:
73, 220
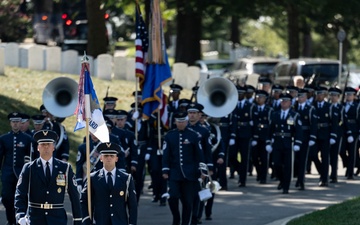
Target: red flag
164, 111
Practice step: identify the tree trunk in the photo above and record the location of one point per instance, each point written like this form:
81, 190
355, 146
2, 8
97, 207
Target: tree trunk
234, 29
293, 31
307, 40
97, 39
188, 48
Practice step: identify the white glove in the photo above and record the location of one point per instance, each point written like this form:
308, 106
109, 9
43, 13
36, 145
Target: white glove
79, 188
268, 148
147, 156
350, 139
253, 143
231, 141
311, 143
135, 115
296, 148
24, 221
251, 123
332, 141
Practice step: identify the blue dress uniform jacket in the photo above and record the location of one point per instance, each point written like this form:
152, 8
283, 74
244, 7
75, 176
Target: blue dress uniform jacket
128, 142
81, 159
117, 206
46, 201
182, 154
204, 134
15, 151
326, 123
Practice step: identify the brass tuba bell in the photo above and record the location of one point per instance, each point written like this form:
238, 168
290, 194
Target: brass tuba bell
218, 95
60, 97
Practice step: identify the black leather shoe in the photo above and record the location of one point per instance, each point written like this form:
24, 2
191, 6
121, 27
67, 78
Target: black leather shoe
323, 184
285, 192
241, 185
350, 178
208, 218
262, 181
301, 187
297, 184
279, 187
333, 181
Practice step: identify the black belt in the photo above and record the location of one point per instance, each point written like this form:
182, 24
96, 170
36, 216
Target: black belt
281, 134
323, 125
243, 123
46, 205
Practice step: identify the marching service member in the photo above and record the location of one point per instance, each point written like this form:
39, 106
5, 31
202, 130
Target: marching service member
285, 135
15, 148
180, 166
40, 191
113, 195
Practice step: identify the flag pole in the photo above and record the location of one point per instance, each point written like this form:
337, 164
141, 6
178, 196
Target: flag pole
136, 108
158, 128
87, 115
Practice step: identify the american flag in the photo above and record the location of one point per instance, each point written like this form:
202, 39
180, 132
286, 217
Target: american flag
142, 44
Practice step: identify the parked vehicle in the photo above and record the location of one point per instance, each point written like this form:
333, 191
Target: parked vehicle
318, 71
260, 66
213, 67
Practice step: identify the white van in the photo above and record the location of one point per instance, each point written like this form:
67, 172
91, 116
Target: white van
323, 71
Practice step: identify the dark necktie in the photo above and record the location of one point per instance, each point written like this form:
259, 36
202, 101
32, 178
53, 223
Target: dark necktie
47, 171
110, 181
283, 116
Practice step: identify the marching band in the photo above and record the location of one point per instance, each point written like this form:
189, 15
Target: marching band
274, 131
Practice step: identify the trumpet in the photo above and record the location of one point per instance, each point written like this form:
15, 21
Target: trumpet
213, 185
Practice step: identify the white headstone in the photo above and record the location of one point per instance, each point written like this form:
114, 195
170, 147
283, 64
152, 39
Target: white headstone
53, 59
120, 68
2, 61
180, 73
193, 75
70, 62
103, 68
24, 57
12, 54
36, 57
130, 69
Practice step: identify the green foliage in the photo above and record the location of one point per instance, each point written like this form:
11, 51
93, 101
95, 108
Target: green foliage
14, 25
345, 213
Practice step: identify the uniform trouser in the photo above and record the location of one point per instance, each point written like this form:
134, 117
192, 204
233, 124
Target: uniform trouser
185, 191
351, 156
8, 196
222, 169
140, 172
282, 158
242, 145
334, 155
301, 160
159, 185
260, 159
323, 146
196, 205
208, 207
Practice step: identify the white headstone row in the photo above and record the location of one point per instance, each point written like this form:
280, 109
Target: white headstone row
106, 67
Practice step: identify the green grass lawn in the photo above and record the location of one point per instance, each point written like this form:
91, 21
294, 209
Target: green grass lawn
346, 213
22, 89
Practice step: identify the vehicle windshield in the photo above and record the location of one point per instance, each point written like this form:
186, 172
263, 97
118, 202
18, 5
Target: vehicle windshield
264, 68
218, 66
321, 70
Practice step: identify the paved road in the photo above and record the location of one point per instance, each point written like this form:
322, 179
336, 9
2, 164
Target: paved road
254, 205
